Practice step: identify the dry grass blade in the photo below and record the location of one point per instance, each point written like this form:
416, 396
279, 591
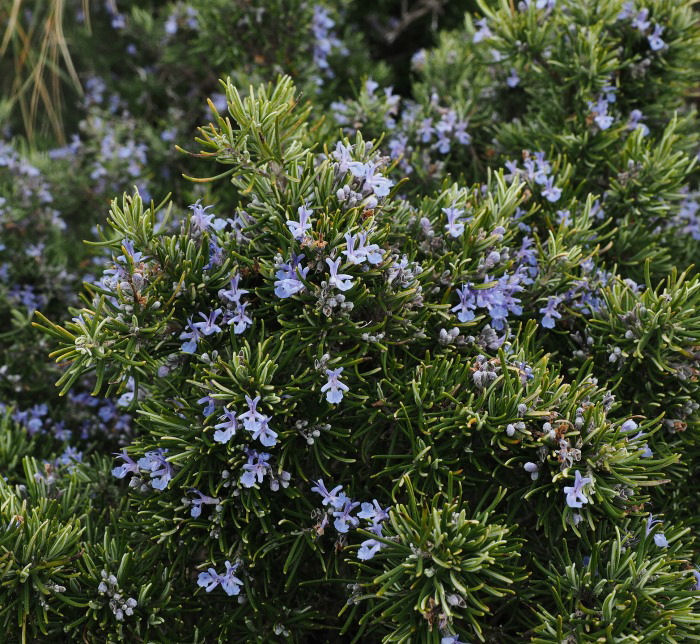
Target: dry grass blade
40, 61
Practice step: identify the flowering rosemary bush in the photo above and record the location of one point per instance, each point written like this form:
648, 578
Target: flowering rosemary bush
396, 369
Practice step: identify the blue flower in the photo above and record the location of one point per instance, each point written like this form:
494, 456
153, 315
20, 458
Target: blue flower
483, 32
288, 282
209, 403
251, 418
208, 580
335, 498
255, 469
550, 312
627, 11
575, 498
373, 512
550, 191
192, 336
209, 326
640, 21
454, 225
368, 549
227, 428
155, 463
634, 122
196, 510
342, 281
334, 388
342, 155
655, 41
599, 110
129, 466
264, 434
201, 220
467, 304
460, 133
354, 256
234, 293
216, 256
513, 80
659, 537
425, 130
344, 520
229, 582
372, 252
299, 228
451, 639
373, 182
240, 320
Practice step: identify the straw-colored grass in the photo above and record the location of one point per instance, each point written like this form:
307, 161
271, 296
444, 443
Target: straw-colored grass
36, 61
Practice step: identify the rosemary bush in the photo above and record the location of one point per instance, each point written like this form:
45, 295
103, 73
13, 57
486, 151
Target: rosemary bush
380, 367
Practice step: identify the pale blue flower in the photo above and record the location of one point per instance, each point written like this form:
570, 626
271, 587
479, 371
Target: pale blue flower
549, 312
129, 466
251, 418
209, 403
155, 463
513, 80
201, 221
659, 538
344, 520
373, 512
299, 228
467, 304
368, 549
255, 469
551, 192
227, 428
240, 320
234, 293
196, 504
208, 580
354, 256
335, 498
209, 326
640, 21
334, 388
655, 41
373, 182
288, 281
229, 582
575, 498
454, 225
372, 252
634, 122
264, 434
192, 334
342, 281
483, 32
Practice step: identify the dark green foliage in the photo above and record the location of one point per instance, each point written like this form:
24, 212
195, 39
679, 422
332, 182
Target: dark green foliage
491, 343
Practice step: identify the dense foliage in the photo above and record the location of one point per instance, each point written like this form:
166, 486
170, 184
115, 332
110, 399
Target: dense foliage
388, 353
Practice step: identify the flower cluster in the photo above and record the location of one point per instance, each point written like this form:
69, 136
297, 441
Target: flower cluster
228, 581
153, 464
120, 607
536, 171
340, 508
